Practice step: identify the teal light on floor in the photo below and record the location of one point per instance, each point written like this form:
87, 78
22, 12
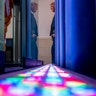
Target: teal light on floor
48, 80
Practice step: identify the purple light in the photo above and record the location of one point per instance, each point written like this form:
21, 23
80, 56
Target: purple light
52, 80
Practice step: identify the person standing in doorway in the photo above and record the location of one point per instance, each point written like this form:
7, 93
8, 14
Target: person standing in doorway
52, 32
34, 31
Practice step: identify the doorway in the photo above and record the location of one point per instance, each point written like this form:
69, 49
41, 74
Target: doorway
44, 17
13, 37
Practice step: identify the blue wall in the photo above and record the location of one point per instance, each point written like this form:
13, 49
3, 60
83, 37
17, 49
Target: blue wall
23, 27
76, 36
60, 33
1, 35
80, 36
28, 34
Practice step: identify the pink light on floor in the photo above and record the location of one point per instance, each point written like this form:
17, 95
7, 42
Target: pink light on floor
45, 81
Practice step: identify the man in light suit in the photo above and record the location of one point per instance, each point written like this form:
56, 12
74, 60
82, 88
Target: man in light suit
34, 32
52, 32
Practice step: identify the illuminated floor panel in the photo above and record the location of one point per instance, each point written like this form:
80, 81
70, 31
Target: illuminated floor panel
45, 81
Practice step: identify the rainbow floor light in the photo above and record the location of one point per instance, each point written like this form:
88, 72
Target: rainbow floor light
48, 80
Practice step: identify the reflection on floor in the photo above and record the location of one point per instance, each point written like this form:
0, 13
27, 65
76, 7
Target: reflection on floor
13, 69
48, 80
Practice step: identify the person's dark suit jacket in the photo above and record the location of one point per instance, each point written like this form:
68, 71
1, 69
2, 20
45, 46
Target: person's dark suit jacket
34, 28
52, 31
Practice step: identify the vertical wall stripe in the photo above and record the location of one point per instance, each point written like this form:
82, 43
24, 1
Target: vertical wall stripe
2, 25
2, 53
23, 26
28, 28
60, 32
57, 42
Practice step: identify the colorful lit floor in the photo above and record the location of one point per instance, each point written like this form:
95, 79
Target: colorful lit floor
48, 80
